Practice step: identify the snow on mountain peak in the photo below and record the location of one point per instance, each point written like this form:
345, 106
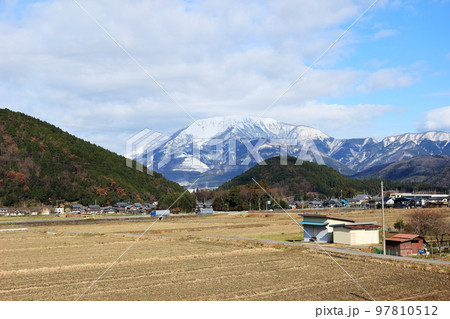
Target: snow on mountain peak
206, 147
250, 127
417, 138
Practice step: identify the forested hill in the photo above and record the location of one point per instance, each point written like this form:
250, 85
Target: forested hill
300, 180
40, 163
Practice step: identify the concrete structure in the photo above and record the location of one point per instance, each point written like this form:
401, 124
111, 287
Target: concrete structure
356, 233
317, 227
404, 244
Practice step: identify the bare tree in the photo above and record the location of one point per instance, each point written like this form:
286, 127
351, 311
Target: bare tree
429, 222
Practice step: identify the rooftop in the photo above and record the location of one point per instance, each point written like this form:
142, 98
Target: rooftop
365, 225
327, 217
403, 237
313, 224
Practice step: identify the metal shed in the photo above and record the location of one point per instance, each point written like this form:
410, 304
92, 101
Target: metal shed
318, 227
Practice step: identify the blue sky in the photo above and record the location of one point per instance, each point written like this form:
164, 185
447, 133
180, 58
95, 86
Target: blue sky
417, 43
389, 74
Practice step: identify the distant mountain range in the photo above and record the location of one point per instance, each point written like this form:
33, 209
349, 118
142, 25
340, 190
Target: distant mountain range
217, 149
424, 169
40, 163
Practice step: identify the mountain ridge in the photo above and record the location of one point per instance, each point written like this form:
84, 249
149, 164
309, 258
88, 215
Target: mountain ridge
220, 148
425, 169
40, 163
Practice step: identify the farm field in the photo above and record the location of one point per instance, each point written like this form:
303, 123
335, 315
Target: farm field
186, 259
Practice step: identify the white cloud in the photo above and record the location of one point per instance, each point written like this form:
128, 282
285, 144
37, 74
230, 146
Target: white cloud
388, 78
332, 118
440, 93
376, 64
437, 120
213, 57
385, 33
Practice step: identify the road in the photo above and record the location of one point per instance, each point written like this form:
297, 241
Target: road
99, 218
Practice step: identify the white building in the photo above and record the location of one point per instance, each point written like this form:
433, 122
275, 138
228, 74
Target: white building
356, 233
319, 228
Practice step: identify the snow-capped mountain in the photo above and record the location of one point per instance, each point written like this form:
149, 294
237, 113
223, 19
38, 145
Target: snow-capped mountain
397, 148
217, 149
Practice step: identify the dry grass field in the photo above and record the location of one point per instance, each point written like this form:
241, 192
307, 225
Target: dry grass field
182, 260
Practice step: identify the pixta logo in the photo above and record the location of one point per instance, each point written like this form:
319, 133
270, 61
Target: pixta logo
200, 152
140, 148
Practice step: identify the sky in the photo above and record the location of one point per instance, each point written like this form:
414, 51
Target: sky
105, 70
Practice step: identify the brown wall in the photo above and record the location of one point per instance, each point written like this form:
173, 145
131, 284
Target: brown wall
406, 248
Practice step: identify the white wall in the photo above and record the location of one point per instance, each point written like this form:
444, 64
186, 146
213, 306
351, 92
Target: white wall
348, 236
341, 235
372, 236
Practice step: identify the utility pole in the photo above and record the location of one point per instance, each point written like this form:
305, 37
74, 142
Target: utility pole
382, 218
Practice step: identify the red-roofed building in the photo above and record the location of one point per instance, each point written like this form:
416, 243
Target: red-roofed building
404, 244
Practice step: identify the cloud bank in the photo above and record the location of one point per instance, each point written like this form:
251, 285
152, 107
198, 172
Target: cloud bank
213, 57
436, 120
